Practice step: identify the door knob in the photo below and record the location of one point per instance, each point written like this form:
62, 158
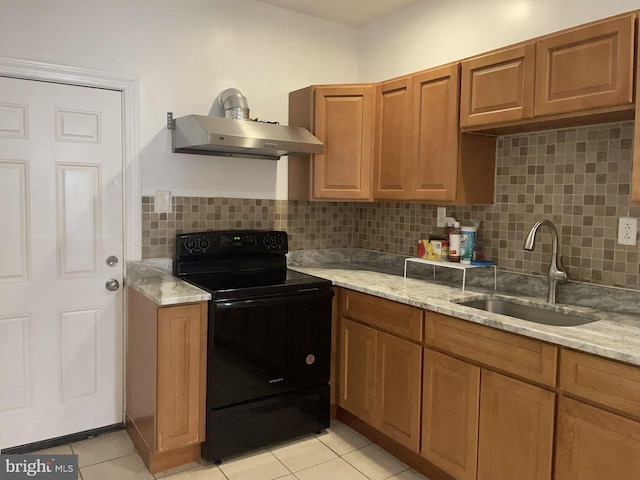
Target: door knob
112, 285
112, 260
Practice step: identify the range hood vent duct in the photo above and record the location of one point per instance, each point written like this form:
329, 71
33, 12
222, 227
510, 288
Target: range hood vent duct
238, 136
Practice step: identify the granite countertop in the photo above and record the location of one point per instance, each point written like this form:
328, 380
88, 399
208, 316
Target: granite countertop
154, 280
612, 335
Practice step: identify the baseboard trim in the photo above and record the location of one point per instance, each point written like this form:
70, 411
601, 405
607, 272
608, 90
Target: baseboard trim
63, 440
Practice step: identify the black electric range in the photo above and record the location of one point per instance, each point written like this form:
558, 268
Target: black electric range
269, 339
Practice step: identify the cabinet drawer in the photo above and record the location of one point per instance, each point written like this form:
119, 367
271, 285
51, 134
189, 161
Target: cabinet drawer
393, 317
505, 351
606, 382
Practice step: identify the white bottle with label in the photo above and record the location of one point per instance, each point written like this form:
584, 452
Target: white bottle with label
454, 243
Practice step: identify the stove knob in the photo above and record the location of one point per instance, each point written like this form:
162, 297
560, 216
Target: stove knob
190, 244
280, 241
268, 241
204, 243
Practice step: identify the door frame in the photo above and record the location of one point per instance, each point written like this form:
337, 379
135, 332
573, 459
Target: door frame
127, 85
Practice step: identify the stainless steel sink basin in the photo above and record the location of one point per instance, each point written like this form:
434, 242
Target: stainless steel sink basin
538, 314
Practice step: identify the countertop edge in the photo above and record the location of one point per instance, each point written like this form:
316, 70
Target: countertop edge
161, 287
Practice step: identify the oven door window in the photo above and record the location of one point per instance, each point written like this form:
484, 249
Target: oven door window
262, 347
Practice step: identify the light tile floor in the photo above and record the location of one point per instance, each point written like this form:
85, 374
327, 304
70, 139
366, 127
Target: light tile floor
339, 453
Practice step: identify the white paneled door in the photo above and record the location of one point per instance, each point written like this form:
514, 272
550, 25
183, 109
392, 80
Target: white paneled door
60, 218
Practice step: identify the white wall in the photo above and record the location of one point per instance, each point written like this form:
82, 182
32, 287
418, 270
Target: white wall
434, 32
185, 53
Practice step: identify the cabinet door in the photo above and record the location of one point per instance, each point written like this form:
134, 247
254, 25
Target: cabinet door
435, 132
357, 369
592, 443
516, 429
450, 414
635, 181
398, 389
181, 376
344, 123
394, 114
586, 68
498, 87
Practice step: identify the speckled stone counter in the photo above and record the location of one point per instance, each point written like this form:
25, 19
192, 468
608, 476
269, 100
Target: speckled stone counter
613, 335
154, 280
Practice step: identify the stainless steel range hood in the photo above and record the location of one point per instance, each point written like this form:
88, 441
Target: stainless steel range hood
235, 137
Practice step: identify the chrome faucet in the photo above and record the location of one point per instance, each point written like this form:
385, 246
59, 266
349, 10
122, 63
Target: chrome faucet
557, 273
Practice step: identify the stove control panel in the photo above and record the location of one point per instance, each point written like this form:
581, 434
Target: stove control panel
231, 242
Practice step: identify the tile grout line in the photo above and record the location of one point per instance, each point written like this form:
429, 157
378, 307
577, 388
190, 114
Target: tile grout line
109, 460
281, 463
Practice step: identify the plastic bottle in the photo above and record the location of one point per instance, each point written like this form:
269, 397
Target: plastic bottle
467, 244
454, 243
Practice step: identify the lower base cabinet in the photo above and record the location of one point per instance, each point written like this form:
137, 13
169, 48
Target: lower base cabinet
380, 381
594, 444
516, 429
398, 390
472, 402
480, 424
381, 365
450, 405
166, 368
357, 369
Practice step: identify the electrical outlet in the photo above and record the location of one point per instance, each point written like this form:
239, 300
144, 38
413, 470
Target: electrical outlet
627, 230
442, 213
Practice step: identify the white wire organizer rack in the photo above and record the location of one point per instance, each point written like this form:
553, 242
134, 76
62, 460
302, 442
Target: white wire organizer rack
456, 266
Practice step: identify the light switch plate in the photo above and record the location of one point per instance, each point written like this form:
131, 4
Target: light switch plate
162, 201
627, 230
440, 218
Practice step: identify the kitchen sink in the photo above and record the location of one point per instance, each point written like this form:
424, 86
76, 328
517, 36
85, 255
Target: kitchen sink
544, 314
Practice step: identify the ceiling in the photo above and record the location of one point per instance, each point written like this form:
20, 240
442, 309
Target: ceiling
351, 12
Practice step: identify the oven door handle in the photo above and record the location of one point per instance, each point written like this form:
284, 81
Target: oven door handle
272, 300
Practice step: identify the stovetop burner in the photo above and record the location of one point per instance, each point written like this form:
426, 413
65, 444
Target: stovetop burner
240, 264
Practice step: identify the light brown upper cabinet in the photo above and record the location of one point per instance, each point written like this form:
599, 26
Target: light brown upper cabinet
635, 182
581, 75
419, 148
434, 163
498, 87
393, 145
585, 68
341, 116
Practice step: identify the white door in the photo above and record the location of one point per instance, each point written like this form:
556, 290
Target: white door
60, 218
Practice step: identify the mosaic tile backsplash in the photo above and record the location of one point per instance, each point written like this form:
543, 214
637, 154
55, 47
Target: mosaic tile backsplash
579, 178
309, 225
